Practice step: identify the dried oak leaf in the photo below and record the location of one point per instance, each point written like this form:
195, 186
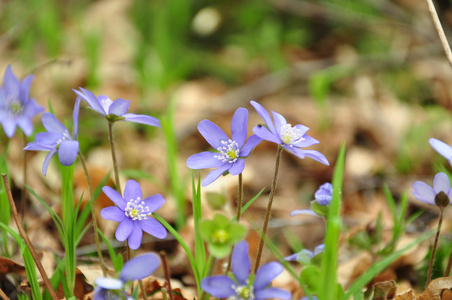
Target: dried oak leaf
8, 266
407, 295
438, 289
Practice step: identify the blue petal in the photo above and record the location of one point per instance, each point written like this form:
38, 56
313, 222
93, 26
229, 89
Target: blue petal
113, 213
423, 192
212, 133
237, 167
92, 100
67, 152
252, 142
139, 267
214, 174
266, 274
75, 116
142, 119
51, 123
264, 115
303, 212
38, 147
265, 134
109, 283
46, 162
9, 126
25, 124
239, 126
279, 121
119, 107
308, 141
135, 237
132, 191
154, 202
272, 293
124, 230
441, 147
204, 160
240, 262
24, 90
11, 83
115, 197
441, 183
218, 286
153, 227
309, 153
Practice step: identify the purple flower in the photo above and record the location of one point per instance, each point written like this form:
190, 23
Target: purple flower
292, 138
307, 298
442, 148
135, 269
423, 192
323, 197
243, 287
132, 212
114, 110
231, 153
305, 255
57, 139
16, 106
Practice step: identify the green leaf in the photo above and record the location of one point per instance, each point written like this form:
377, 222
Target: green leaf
310, 278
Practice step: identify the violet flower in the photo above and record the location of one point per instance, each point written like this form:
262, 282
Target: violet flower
132, 212
231, 153
323, 197
304, 256
441, 185
16, 106
442, 148
291, 138
243, 287
114, 110
57, 139
135, 269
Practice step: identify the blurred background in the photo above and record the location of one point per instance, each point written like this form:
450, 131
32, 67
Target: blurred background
371, 73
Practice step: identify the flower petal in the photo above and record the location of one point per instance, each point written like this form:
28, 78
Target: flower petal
239, 126
252, 142
272, 293
124, 230
139, 267
10, 83
204, 160
237, 167
67, 152
153, 227
154, 202
51, 123
212, 133
119, 107
24, 89
142, 119
135, 237
441, 183
441, 147
132, 191
266, 274
92, 100
109, 283
264, 115
9, 126
265, 134
218, 286
75, 116
25, 124
308, 141
113, 213
46, 162
214, 174
279, 121
34, 146
115, 197
240, 262
423, 192
303, 212
301, 153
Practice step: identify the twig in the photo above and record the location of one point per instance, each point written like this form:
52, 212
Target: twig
3, 295
439, 29
167, 274
27, 240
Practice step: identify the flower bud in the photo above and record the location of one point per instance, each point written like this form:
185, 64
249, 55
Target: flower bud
442, 200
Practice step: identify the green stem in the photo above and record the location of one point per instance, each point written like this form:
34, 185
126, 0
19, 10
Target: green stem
435, 245
23, 198
113, 156
93, 215
269, 209
238, 215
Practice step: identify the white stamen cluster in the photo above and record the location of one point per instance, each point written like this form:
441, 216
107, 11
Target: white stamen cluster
290, 135
243, 292
65, 136
136, 210
229, 152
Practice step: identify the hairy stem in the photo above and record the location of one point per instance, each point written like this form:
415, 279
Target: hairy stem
435, 245
113, 156
238, 215
23, 198
167, 273
27, 240
269, 209
93, 215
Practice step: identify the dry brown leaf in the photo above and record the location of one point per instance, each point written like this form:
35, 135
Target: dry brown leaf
8, 266
407, 295
384, 290
436, 288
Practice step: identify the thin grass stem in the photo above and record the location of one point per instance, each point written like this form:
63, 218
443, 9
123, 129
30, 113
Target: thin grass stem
269, 208
27, 240
93, 215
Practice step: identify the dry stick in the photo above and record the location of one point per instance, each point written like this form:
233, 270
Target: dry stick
167, 274
439, 29
269, 209
93, 215
27, 240
3, 295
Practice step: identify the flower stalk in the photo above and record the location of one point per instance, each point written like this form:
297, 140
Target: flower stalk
269, 208
23, 198
435, 245
113, 155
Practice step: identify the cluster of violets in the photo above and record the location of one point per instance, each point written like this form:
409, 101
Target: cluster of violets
132, 211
